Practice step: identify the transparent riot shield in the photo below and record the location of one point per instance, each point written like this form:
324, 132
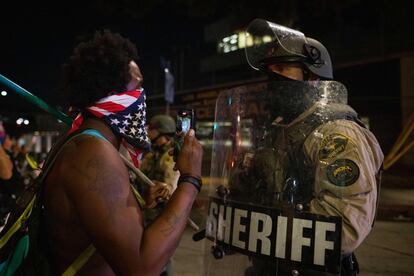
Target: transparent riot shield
272, 42
260, 220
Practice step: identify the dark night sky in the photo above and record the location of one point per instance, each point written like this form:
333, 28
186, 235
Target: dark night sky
37, 40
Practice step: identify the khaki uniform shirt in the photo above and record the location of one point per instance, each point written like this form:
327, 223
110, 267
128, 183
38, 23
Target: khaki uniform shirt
347, 158
159, 165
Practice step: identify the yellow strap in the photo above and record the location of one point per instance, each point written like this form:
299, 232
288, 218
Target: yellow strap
32, 163
389, 161
396, 152
139, 198
80, 261
88, 252
16, 226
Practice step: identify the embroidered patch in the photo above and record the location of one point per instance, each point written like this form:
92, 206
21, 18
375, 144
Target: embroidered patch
343, 172
332, 145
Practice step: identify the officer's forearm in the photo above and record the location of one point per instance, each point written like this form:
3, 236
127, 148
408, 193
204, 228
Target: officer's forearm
162, 237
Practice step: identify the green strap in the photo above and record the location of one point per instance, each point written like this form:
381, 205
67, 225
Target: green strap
17, 225
14, 260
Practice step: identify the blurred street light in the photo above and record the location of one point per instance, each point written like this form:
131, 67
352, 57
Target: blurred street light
22, 121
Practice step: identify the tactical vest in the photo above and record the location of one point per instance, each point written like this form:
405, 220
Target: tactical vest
298, 175
153, 161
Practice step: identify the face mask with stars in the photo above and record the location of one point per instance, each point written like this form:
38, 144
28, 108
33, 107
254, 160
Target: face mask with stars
128, 117
125, 113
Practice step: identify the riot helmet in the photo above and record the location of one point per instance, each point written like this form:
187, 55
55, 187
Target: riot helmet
276, 44
164, 124
285, 54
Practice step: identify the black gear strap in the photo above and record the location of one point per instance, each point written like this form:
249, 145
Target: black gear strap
195, 181
349, 265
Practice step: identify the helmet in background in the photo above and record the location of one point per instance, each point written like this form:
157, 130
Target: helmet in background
164, 124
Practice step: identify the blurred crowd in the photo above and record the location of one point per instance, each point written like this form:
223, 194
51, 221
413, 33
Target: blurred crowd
18, 167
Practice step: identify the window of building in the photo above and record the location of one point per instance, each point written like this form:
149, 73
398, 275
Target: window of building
240, 40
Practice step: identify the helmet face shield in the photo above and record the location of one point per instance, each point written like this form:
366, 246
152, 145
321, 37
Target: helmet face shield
273, 43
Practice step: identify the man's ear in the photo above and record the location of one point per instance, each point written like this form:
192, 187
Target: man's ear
137, 79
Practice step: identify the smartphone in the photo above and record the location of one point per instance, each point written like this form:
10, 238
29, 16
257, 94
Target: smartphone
185, 121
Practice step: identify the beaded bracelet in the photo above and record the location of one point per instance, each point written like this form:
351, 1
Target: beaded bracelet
196, 181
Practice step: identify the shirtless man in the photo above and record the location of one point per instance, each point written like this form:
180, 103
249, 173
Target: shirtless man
88, 198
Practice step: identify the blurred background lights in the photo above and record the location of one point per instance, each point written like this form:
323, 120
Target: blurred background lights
4, 93
22, 121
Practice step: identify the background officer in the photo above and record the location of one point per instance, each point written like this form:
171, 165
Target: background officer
158, 165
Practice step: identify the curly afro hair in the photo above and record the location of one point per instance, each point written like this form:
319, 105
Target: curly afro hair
97, 68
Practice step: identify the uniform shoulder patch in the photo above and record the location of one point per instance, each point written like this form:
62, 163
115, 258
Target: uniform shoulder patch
332, 145
343, 172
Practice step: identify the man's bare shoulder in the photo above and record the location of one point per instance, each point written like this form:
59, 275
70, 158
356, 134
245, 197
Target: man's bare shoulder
90, 163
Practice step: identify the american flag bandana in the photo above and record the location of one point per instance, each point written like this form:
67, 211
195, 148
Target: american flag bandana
125, 113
